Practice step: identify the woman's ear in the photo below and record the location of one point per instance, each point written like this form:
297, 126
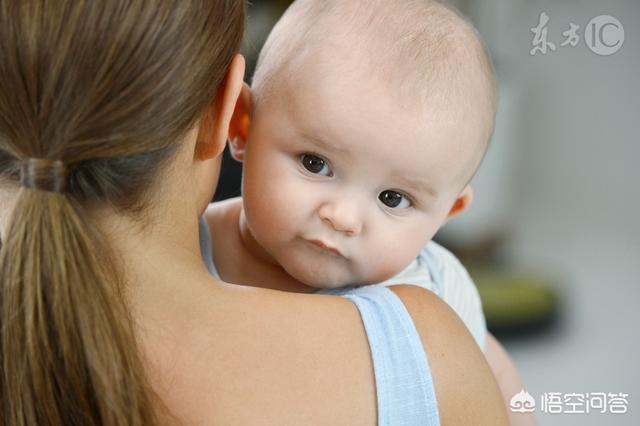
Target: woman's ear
214, 126
462, 202
240, 123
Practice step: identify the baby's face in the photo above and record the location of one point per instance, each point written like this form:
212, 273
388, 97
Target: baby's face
341, 186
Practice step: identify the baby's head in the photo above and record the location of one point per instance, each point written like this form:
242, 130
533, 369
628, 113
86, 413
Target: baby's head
368, 118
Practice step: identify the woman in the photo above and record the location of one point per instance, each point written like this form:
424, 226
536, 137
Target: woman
113, 118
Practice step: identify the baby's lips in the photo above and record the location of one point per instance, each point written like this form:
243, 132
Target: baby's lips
326, 247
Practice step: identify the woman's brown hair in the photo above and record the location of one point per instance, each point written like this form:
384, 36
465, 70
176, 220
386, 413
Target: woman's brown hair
99, 93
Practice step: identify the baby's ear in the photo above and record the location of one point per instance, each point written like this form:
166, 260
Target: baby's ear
240, 123
462, 202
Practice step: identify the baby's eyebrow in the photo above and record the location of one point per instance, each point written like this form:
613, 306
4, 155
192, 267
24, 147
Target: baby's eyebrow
327, 145
418, 186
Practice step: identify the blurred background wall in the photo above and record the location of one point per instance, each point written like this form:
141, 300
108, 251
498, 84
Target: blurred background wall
558, 194
562, 182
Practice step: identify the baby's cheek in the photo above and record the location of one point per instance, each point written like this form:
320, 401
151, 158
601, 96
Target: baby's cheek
375, 270
271, 199
273, 224
390, 259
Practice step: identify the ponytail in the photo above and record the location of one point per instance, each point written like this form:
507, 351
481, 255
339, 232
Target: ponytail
68, 354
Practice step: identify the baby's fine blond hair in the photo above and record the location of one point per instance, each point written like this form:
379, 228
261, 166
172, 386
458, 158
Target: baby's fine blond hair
426, 51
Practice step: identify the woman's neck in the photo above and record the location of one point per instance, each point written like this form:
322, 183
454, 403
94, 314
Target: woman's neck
161, 263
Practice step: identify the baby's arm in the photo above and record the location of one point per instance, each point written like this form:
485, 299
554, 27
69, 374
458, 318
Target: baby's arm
508, 378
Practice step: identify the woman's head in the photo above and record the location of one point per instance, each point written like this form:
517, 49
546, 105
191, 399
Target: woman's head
109, 87
95, 100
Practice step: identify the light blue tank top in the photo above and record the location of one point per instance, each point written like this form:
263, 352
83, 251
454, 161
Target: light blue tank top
404, 386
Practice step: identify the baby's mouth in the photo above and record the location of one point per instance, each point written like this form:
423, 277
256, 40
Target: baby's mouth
326, 247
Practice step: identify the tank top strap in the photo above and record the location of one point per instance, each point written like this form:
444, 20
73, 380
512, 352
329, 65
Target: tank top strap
206, 249
404, 386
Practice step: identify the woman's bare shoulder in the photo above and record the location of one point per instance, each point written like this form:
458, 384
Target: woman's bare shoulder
465, 387
272, 350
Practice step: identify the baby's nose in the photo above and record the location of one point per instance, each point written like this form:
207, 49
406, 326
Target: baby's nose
343, 216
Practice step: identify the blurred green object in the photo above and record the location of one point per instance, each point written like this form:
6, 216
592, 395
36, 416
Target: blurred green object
515, 303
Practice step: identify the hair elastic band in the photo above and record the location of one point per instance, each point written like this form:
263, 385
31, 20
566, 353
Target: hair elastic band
44, 174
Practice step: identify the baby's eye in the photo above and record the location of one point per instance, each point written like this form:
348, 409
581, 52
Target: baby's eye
394, 199
316, 165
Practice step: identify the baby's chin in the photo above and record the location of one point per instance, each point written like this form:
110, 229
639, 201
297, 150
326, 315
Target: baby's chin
321, 278
324, 272
327, 279
322, 281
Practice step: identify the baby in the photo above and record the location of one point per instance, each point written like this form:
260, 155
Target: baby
364, 124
